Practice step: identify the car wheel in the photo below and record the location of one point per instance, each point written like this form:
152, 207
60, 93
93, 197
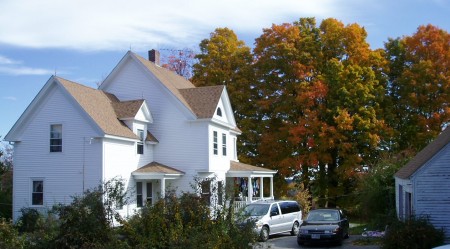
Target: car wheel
295, 228
264, 234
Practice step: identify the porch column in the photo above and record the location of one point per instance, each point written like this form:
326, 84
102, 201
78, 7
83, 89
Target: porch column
261, 188
250, 189
271, 187
163, 188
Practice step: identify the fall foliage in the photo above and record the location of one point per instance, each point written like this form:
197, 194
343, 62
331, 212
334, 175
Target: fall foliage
317, 104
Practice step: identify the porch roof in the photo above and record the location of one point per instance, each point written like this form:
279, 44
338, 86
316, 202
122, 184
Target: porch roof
238, 169
155, 170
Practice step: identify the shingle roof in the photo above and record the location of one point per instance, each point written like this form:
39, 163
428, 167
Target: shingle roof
203, 100
98, 105
127, 109
238, 166
171, 80
424, 155
155, 167
151, 138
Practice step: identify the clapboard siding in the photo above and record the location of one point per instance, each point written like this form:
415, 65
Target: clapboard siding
62, 172
183, 142
431, 190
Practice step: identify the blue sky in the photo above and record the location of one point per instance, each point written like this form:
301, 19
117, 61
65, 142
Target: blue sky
83, 40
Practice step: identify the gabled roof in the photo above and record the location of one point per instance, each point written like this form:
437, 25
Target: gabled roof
238, 166
99, 105
172, 81
203, 100
424, 155
155, 167
200, 102
127, 109
151, 138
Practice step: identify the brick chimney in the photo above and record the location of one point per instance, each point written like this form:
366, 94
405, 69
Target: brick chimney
153, 56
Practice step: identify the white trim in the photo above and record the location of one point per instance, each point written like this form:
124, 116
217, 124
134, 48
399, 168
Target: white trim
33, 179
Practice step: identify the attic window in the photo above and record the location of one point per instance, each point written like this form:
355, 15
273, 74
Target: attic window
219, 112
56, 138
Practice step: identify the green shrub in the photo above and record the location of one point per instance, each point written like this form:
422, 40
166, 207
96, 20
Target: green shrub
414, 233
9, 237
28, 221
187, 221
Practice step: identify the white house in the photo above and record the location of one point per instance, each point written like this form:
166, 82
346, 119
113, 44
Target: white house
144, 124
423, 184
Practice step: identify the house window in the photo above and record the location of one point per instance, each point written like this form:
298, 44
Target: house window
215, 146
220, 192
206, 191
56, 138
149, 193
235, 148
37, 194
140, 144
219, 112
139, 194
224, 144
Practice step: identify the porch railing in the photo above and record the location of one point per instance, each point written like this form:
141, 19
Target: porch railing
239, 204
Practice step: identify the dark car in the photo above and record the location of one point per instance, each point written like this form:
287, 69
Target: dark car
324, 225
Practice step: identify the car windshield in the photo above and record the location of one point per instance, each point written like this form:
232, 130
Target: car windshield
256, 209
323, 215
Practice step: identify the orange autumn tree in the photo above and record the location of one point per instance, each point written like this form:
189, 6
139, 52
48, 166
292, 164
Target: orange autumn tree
419, 86
320, 91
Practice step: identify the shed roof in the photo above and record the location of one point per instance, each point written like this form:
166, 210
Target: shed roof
424, 155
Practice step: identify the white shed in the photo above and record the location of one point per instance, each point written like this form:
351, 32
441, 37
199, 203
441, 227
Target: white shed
423, 184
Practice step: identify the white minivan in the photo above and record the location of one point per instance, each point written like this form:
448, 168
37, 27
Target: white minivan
272, 217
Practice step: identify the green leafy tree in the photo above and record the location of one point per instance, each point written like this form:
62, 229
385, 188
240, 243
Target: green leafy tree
226, 60
6, 170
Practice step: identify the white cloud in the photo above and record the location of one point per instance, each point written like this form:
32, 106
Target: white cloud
10, 66
117, 25
12, 98
22, 70
7, 61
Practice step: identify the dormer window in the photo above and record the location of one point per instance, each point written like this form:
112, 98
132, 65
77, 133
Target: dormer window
219, 112
140, 144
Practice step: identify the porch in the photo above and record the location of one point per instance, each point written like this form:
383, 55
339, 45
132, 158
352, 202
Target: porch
250, 183
150, 176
